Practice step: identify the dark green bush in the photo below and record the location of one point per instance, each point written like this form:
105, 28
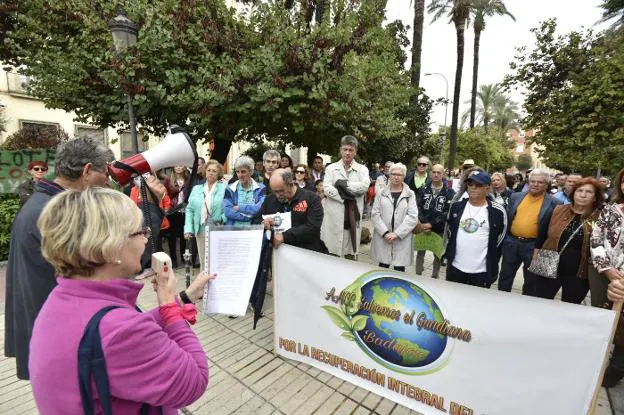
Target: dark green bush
9, 205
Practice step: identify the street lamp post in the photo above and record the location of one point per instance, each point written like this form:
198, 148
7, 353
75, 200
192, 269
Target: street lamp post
125, 33
446, 101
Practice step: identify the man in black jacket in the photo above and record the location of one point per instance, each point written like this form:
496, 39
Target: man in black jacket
476, 229
80, 163
434, 200
304, 207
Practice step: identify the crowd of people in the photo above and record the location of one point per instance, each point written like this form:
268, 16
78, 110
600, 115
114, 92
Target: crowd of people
76, 246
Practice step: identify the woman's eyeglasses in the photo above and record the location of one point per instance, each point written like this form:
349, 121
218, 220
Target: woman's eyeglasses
423, 164
39, 169
146, 231
300, 171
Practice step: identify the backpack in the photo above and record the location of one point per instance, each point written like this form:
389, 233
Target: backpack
91, 362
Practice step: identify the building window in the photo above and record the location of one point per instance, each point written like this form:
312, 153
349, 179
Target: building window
126, 144
91, 132
38, 127
18, 84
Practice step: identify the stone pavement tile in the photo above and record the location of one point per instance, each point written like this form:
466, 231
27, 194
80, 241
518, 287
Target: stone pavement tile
242, 359
371, 401
324, 377
27, 406
271, 378
402, 410
314, 401
290, 399
358, 394
346, 388
251, 367
228, 401
360, 410
330, 404
288, 387
334, 382
262, 372
346, 407
255, 405
285, 383
385, 407
617, 398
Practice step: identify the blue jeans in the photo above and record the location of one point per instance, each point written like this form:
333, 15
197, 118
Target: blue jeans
517, 252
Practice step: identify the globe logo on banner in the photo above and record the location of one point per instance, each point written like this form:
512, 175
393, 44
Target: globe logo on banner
395, 322
417, 348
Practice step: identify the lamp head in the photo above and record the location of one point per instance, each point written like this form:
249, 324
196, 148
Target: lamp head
124, 32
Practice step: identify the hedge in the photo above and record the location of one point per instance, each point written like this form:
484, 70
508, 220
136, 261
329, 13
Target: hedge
9, 205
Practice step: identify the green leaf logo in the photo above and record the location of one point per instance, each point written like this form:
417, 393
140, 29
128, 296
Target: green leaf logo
337, 317
358, 323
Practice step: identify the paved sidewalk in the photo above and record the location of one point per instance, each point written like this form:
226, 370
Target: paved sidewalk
247, 378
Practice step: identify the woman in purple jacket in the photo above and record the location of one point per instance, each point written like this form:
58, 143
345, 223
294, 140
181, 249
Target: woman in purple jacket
154, 361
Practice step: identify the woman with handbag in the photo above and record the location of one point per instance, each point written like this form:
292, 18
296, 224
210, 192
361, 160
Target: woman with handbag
607, 250
566, 246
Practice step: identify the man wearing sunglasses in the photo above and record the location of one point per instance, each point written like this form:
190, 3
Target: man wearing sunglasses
80, 163
476, 229
37, 169
418, 177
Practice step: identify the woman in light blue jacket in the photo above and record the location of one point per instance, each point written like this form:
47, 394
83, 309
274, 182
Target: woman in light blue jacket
205, 207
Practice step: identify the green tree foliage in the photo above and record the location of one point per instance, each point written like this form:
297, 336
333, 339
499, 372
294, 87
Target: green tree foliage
613, 10
277, 73
575, 97
9, 205
488, 150
35, 136
525, 162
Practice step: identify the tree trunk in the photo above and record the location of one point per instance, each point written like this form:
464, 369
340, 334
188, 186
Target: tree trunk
459, 29
221, 150
475, 76
419, 18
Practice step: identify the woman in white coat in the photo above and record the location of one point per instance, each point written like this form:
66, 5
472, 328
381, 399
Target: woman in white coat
395, 215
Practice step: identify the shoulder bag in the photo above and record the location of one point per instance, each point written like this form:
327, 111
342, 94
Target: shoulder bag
546, 261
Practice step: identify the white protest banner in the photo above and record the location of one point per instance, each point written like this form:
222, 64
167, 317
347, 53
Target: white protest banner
434, 346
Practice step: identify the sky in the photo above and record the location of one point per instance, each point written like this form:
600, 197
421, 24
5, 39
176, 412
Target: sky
498, 42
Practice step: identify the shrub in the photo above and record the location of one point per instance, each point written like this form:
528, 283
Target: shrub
35, 136
9, 205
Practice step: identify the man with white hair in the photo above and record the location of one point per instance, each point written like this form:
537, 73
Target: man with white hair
345, 185
528, 213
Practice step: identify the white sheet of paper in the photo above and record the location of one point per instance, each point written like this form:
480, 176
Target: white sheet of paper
234, 257
286, 221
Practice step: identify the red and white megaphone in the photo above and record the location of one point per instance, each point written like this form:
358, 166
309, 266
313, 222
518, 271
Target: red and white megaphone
177, 149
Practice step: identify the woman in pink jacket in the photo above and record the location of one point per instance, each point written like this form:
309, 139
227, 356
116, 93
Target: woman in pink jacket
154, 362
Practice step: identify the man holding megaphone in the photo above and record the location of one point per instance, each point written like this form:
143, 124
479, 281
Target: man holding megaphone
80, 163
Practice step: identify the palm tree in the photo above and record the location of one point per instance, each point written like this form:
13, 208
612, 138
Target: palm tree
419, 20
482, 9
613, 9
458, 12
505, 113
487, 95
